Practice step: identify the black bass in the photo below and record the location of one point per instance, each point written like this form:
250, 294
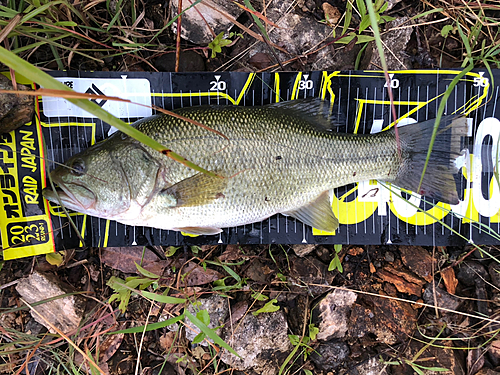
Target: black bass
279, 158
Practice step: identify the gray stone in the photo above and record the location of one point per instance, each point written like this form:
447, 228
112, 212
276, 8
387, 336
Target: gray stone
334, 310
494, 271
63, 313
371, 367
394, 42
471, 273
261, 341
300, 36
15, 110
217, 308
330, 355
189, 61
444, 299
194, 26
302, 250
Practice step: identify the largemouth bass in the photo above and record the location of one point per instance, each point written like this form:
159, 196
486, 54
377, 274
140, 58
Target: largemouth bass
279, 158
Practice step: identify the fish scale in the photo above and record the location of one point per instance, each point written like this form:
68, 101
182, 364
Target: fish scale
280, 158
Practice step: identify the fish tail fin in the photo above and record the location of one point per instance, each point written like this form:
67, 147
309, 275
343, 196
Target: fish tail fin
438, 182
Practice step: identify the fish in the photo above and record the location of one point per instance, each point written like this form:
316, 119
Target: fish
278, 158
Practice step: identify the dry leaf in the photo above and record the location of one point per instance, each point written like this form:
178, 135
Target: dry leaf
196, 275
125, 259
332, 14
167, 340
450, 281
109, 347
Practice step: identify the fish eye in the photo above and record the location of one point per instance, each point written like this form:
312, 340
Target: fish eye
77, 168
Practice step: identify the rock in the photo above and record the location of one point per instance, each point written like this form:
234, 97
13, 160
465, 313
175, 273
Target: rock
15, 110
300, 36
189, 61
494, 352
261, 341
494, 271
218, 310
470, 273
334, 312
302, 250
444, 299
389, 257
371, 367
64, 313
391, 321
394, 42
196, 28
312, 272
330, 355
418, 260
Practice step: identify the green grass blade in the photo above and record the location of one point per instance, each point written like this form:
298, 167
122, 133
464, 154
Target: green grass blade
209, 332
43, 79
149, 327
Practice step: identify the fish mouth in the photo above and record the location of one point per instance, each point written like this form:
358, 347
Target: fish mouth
64, 194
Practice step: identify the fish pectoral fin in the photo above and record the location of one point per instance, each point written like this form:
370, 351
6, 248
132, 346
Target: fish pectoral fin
197, 190
317, 214
204, 231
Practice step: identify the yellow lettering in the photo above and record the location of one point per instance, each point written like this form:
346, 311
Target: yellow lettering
28, 141
30, 189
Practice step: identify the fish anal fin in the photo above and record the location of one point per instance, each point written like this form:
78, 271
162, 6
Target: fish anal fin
318, 214
197, 190
203, 231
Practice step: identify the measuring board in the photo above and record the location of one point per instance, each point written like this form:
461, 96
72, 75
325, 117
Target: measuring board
369, 212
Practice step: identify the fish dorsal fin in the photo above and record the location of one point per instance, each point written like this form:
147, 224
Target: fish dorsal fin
318, 214
197, 190
318, 113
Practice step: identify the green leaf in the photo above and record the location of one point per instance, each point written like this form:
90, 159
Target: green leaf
337, 248
313, 331
387, 18
171, 251
365, 22
348, 17
268, 307
361, 7
281, 277
307, 372
195, 249
259, 296
145, 272
209, 332
445, 31
336, 264
364, 39
203, 316
347, 39
54, 259
199, 338
294, 339
161, 298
